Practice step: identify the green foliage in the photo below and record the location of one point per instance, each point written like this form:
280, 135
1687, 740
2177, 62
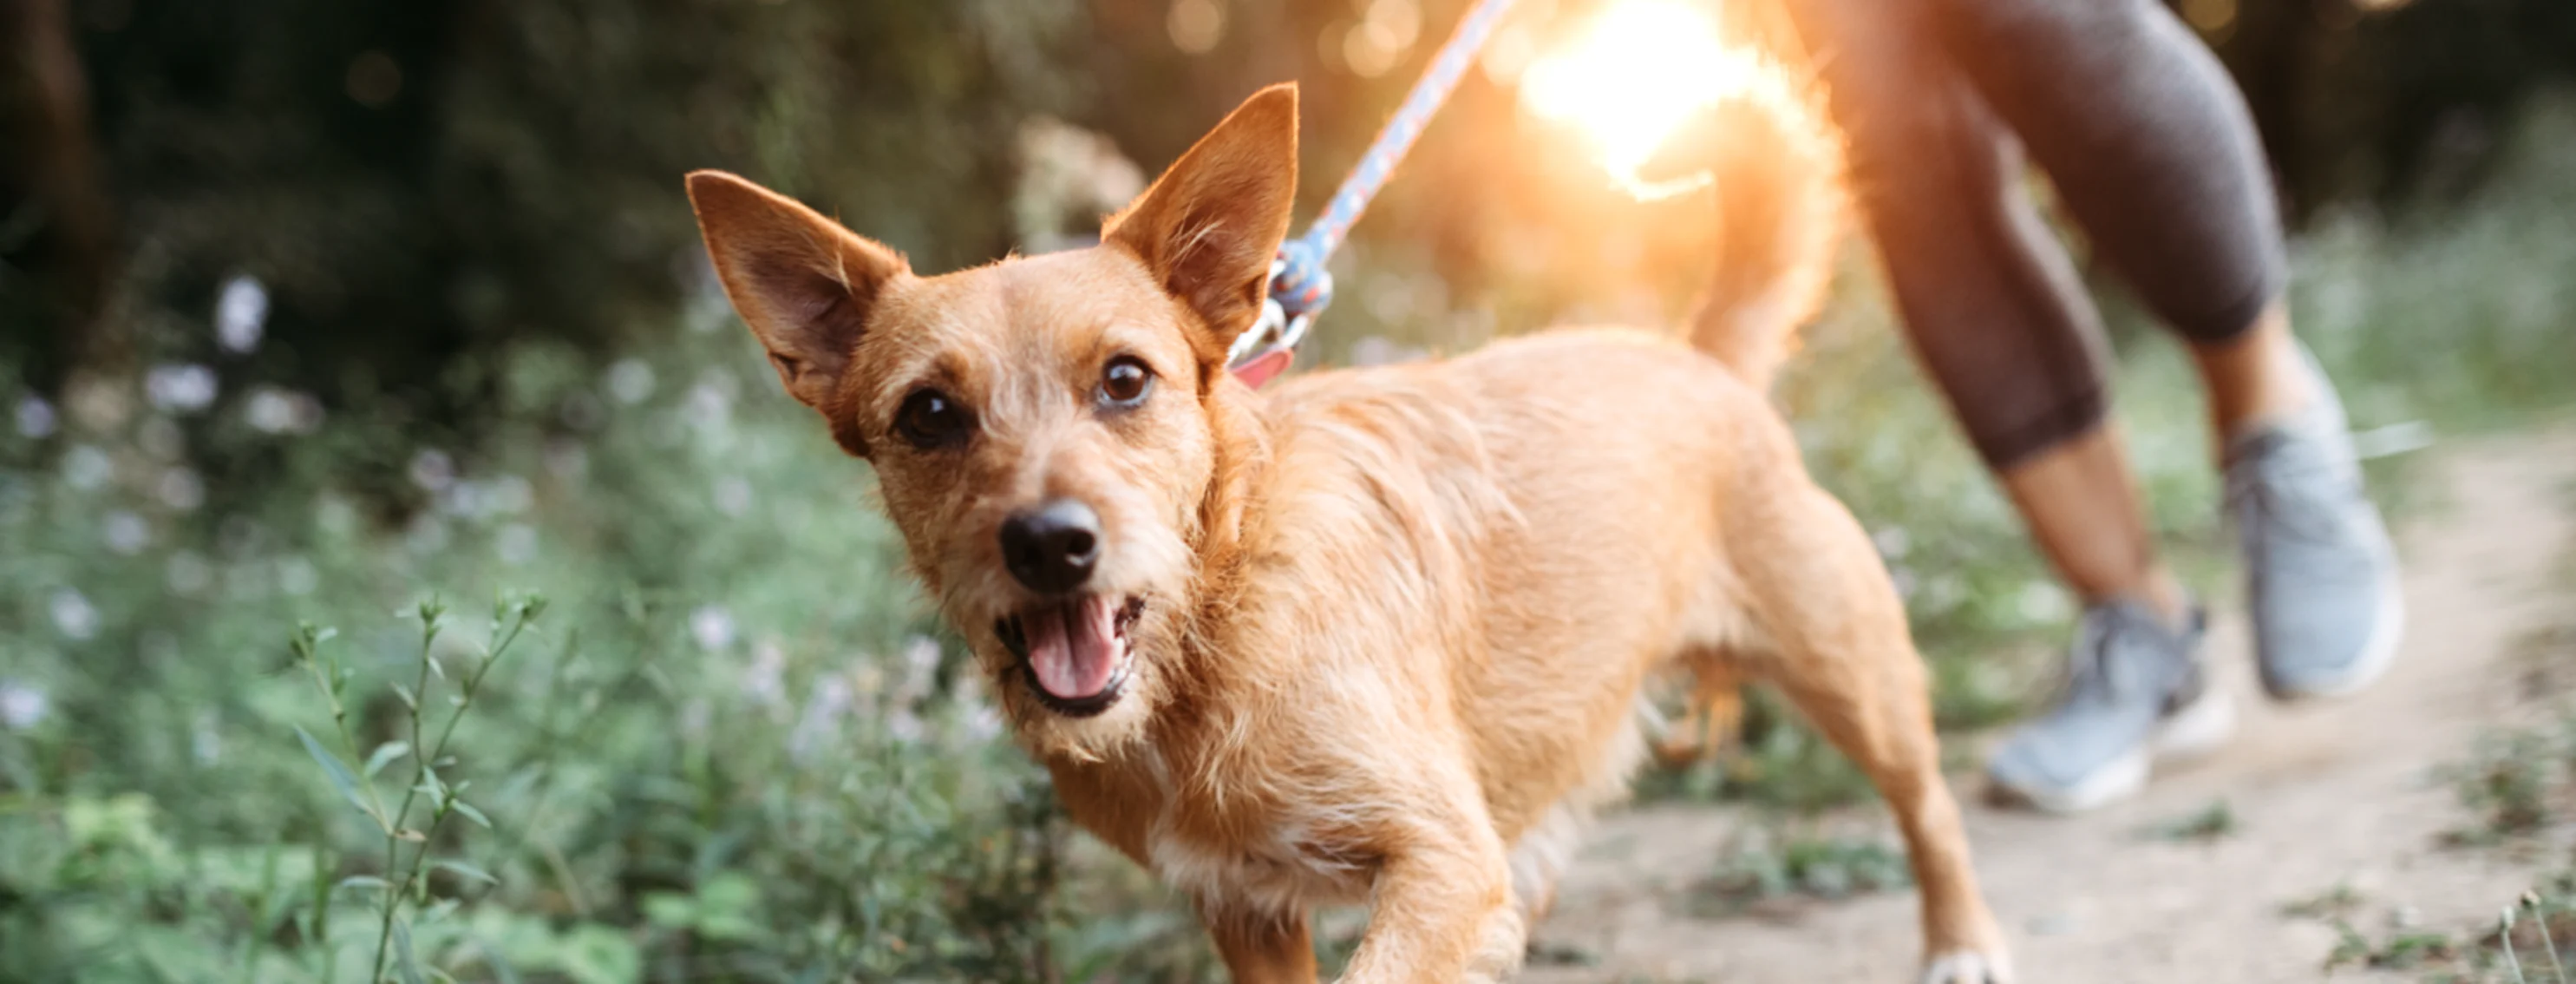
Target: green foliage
733, 746
2209, 823
1780, 863
456, 177
2516, 782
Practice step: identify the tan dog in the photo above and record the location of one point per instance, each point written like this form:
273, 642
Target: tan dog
1373, 636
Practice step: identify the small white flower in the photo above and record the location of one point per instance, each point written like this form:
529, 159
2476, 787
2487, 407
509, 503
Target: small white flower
427, 535
181, 489
73, 616
35, 418
188, 574
764, 681
126, 533
517, 544
822, 717
432, 470
981, 721
334, 515
630, 381
86, 468
867, 680
920, 666
1893, 542
160, 439
22, 706
904, 725
296, 576
463, 500
241, 314
206, 739
270, 410
712, 627
733, 496
508, 495
179, 388
2044, 602
566, 459
709, 406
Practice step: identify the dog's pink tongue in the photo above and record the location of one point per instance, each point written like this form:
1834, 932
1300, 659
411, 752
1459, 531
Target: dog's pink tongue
1073, 646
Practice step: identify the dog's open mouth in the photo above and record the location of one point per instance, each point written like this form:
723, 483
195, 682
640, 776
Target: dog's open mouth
1076, 652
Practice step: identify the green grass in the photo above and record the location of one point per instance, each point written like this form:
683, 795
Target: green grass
2530, 942
2214, 822
1785, 861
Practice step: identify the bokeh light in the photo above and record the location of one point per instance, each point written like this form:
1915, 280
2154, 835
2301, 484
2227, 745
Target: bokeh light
1634, 73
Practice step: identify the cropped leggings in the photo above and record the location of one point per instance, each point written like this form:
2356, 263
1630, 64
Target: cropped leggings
2146, 139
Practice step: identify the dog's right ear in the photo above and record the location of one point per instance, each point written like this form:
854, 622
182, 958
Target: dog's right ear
804, 284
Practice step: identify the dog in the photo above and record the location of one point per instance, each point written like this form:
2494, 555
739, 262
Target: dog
1369, 636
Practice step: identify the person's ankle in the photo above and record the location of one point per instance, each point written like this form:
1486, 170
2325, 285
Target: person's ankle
2257, 378
2158, 595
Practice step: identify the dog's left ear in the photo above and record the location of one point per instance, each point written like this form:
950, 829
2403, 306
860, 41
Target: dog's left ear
1210, 225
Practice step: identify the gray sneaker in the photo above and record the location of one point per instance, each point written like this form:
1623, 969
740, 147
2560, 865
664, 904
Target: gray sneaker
2135, 690
2321, 578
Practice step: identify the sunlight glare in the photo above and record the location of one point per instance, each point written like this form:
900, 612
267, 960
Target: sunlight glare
1634, 73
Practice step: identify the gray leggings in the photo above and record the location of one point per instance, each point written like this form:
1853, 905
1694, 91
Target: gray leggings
2145, 138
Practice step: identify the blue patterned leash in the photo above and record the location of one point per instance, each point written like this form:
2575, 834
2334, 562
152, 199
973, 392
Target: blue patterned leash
1299, 285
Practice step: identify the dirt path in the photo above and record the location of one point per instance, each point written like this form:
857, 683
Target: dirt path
2325, 795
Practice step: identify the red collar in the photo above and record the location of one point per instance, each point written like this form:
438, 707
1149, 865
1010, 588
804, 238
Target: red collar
1268, 366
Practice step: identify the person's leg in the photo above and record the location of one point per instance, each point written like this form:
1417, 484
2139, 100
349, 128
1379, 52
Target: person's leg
2082, 507
2152, 149
1991, 303
1995, 311
2254, 377
2155, 155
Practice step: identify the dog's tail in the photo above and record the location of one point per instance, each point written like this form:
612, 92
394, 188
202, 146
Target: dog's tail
1778, 169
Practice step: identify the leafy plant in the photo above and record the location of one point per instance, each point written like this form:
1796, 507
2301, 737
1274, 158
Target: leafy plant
1781, 866
355, 777
2209, 823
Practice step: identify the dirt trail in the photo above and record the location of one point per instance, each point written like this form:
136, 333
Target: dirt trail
2321, 795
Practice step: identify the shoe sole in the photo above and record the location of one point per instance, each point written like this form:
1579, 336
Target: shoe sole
2193, 731
2378, 652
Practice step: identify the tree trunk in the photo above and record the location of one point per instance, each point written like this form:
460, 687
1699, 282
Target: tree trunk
55, 227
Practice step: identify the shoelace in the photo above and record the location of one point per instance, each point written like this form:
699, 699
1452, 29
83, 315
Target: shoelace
2089, 673
2096, 675
2274, 488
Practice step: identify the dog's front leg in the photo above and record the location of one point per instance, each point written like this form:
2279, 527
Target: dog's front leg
1262, 949
1441, 912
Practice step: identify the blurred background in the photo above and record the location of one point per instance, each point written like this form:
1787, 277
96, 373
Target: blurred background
312, 311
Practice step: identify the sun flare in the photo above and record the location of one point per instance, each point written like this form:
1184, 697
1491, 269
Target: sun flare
1634, 73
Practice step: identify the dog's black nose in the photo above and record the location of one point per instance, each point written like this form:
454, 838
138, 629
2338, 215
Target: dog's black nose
1051, 548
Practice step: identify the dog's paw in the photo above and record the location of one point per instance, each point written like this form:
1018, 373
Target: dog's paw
1967, 967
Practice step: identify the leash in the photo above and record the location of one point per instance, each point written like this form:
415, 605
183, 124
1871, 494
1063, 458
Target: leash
1300, 287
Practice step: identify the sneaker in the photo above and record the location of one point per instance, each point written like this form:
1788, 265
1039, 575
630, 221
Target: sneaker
2135, 691
2321, 578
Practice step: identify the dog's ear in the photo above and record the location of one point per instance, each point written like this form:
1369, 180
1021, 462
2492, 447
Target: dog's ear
804, 284
1210, 225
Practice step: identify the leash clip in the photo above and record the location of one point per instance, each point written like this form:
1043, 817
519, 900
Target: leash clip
1273, 331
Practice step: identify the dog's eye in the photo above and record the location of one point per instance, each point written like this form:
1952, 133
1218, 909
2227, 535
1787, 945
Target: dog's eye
1125, 382
930, 420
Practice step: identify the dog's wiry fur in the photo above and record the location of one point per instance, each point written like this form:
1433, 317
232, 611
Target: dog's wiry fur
1393, 621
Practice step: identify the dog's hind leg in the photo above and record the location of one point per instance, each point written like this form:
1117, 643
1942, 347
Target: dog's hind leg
1712, 717
1841, 652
